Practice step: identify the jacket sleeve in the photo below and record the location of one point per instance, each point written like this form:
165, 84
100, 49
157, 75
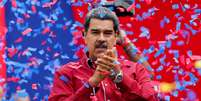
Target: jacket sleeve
138, 85
63, 90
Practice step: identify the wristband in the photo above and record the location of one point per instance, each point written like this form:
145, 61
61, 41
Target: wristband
113, 73
119, 77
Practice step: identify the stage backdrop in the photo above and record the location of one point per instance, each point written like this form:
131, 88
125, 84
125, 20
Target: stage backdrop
43, 35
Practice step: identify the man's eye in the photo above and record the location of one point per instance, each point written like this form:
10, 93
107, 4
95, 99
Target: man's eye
108, 33
94, 32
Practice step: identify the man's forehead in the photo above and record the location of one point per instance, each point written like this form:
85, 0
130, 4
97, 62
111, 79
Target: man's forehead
101, 24
96, 28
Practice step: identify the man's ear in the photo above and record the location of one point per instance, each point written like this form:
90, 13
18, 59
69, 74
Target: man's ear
83, 33
117, 33
84, 36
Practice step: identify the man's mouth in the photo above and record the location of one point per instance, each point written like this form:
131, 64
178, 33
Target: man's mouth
101, 48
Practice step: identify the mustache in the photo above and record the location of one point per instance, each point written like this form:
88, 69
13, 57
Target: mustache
101, 44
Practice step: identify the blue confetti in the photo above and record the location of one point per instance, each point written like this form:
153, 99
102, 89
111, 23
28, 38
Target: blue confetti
146, 15
144, 32
190, 28
191, 95
164, 21
185, 33
193, 78
151, 49
175, 6
160, 51
169, 44
197, 11
178, 26
139, 18
145, 51
160, 68
162, 60
180, 43
179, 86
150, 68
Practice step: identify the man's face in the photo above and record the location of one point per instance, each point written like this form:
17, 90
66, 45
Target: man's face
100, 37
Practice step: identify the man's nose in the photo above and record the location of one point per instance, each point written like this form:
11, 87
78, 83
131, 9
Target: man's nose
102, 37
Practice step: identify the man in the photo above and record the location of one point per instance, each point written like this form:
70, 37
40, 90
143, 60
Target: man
99, 75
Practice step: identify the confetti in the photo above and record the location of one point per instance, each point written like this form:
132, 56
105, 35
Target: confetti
159, 68
175, 6
191, 95
43, 35
27, 31
144, 32
160, 51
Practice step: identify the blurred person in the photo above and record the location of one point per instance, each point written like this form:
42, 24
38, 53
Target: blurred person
20, 95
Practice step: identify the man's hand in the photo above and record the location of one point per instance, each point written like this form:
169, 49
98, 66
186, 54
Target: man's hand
131, 50
121, 37
105, 64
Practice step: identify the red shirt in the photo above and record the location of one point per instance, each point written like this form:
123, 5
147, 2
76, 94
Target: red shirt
70, 84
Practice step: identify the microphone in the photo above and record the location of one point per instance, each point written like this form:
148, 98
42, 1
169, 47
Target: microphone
90, 63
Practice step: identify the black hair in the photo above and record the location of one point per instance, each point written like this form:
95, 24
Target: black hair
102, 13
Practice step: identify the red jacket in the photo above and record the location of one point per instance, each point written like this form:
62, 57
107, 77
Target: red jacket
70, 84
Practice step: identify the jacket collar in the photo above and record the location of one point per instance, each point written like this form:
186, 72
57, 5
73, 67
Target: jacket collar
86, 61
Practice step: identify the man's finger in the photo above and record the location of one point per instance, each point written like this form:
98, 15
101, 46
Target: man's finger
108, 58
106, 62
103, 66
111, 53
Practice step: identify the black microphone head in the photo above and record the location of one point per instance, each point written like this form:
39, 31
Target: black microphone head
90, 62
123, 4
